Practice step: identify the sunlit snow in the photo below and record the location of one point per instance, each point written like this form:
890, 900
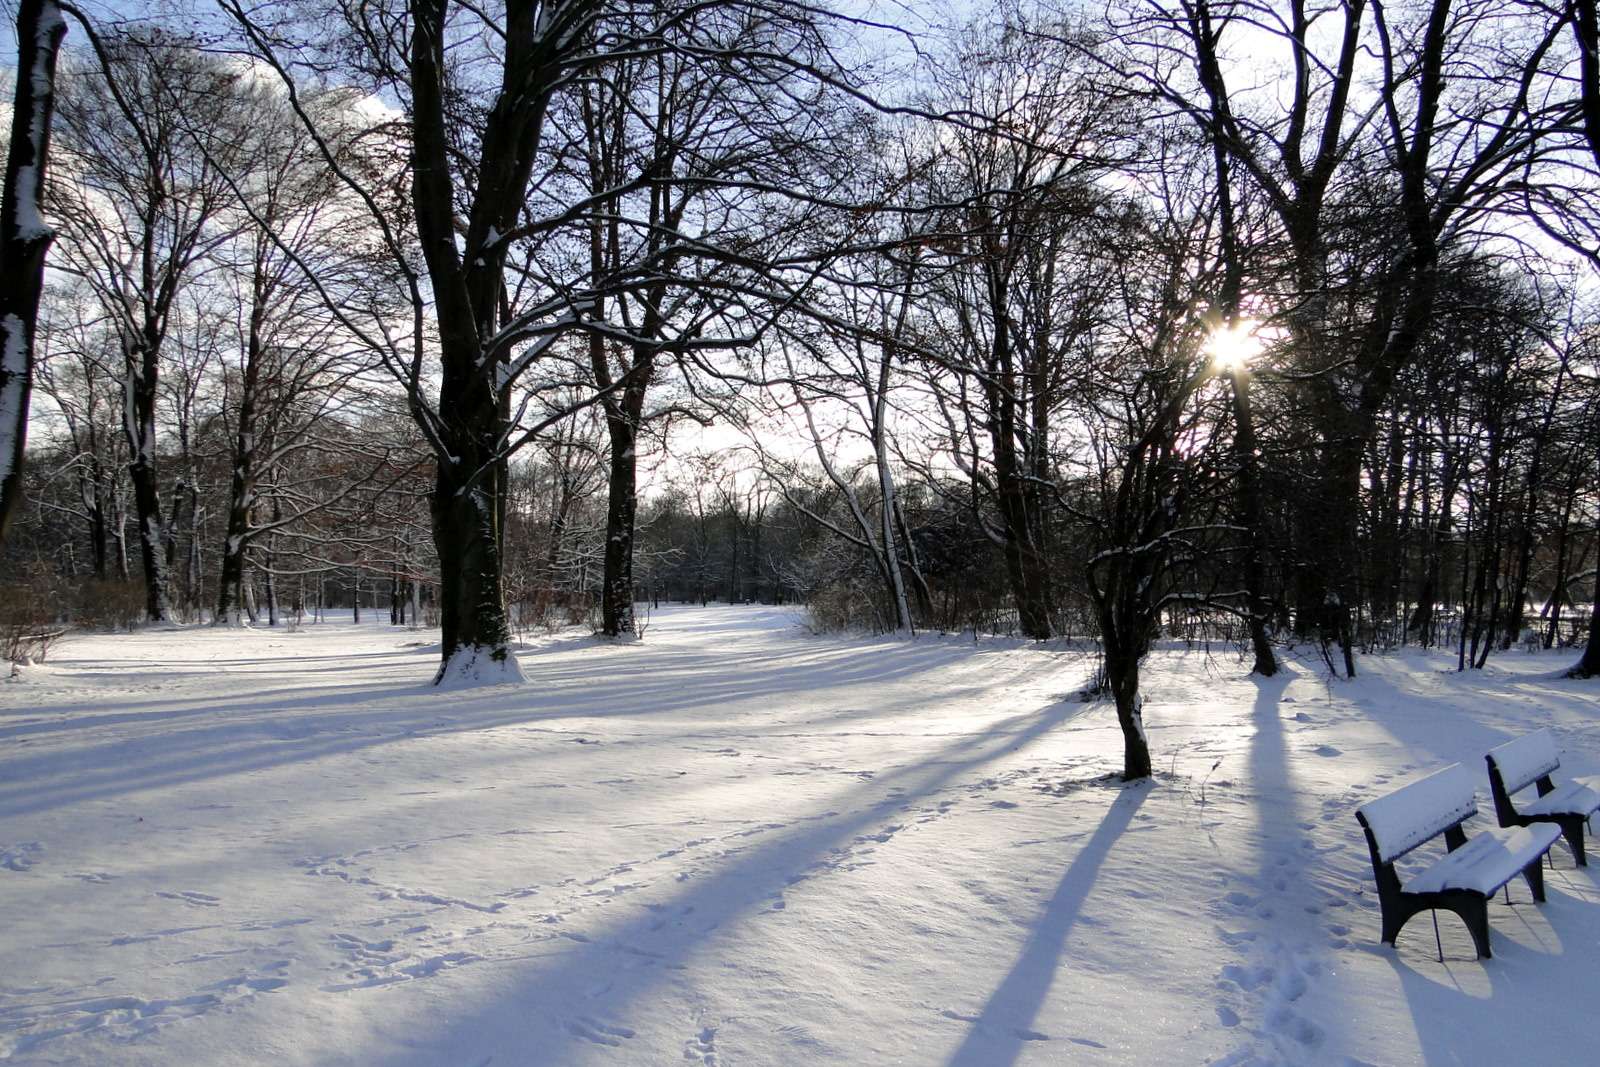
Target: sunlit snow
737, 843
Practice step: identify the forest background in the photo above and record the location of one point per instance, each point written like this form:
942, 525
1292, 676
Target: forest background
1267, 323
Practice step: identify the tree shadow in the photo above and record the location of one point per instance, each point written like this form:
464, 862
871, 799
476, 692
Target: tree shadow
1518, 1006
1002, 1028
743, 886
183, 739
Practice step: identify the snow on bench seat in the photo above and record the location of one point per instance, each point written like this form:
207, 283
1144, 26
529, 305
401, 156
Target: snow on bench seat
1579, 796
1487, 861
1531, 760
1468, 874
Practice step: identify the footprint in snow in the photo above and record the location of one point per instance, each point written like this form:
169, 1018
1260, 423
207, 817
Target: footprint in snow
598, 1032
702, 1048
204, 900
1283, 1021
1246, 978
1290, 985
20, 857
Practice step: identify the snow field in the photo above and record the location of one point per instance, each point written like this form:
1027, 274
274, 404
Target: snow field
735, 843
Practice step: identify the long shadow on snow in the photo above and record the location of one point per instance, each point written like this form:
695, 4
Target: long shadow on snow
1003, 1027
1517, 1006
748, 878
1467, 1010
1494, 1010
1280, 813
678, 680
196, 741
1483, 710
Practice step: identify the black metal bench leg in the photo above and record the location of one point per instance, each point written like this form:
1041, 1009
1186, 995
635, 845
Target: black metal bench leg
1534, 873
1572, 830
1474, 911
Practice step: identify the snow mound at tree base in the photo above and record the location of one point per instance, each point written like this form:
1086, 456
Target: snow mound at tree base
476, 665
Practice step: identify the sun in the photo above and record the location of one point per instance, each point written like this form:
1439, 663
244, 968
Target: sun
1232, 348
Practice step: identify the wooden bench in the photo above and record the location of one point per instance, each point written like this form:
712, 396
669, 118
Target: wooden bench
1468, 874
1529, 761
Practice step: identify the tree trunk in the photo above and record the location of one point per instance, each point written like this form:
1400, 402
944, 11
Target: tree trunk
476, 637
1589, 665
269, 570
1266, 661
622, 502
471, 413
24, 236
139, 424
1124, 631
1018, 503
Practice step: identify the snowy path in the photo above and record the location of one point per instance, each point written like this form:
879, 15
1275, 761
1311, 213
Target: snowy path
736, 844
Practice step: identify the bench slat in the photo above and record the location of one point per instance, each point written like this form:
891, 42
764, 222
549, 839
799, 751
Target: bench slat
1527, 759
1418, 812
1488, 860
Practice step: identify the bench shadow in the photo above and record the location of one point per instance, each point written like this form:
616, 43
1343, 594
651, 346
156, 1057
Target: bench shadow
1002, 1028
1469, 1010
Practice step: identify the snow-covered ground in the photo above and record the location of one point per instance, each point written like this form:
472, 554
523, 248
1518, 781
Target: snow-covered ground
736, 843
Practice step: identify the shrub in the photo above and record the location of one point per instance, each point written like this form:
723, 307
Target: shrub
30, 616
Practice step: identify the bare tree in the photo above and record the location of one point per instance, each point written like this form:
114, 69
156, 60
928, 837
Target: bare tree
1405, 128
844, 376
1021, 283
704, 167
504, 280
295, 369
142, 208
79, 374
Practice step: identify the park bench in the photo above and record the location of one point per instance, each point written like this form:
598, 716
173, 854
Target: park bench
1530, 760
1471, 870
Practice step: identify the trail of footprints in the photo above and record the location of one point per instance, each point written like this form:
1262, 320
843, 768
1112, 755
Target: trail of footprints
66, 1013
421, 942
1283, 922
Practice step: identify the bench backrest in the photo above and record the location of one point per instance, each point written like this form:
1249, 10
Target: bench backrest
1525, 760
1415, 814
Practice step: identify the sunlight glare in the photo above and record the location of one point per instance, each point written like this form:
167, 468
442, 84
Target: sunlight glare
1234, 347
